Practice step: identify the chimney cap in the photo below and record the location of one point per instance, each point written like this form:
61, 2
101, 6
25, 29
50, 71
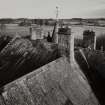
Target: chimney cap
64, 31
88, 33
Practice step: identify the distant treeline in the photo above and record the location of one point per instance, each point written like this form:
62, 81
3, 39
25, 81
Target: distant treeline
6, 21
24, 21
50, 21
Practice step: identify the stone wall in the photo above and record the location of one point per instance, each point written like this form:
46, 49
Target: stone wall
53, 84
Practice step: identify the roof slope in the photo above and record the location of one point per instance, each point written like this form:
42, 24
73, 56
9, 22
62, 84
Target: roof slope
21, 56
95, 72
56, 83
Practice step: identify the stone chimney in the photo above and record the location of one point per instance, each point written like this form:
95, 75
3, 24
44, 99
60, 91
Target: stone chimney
35, 33
66, 42
89, 39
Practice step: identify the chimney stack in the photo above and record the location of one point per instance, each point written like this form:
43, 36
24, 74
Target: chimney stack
66, 42
35, 33
89, 39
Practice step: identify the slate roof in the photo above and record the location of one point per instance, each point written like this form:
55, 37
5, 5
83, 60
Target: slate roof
95, 72
96, 60
20, 56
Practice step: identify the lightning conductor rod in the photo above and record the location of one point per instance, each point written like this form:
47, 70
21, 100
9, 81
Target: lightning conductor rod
57, 12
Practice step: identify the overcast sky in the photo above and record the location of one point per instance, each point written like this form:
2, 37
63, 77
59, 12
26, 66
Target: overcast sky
47, 8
